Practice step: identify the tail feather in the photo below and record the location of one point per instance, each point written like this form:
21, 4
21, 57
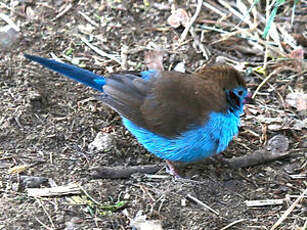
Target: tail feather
81, 75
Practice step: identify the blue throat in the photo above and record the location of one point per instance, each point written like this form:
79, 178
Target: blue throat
195, 144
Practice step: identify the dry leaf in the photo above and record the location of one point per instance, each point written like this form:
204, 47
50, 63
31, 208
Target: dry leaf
8, 36
140, 223
278, 143
297, 100
180, 67
18, 169
102, 142
31, 13
177, 18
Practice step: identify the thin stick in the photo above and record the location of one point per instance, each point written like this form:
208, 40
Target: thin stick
99, 51
289, 210
268, 202
44, 225
262, 83
193, 19
235, 12
67, 8
88, 195
122, 172
124, 56
202, 204
206, 4
87, 18
43, 207
298, 176
232, 224
256, 158
201, 46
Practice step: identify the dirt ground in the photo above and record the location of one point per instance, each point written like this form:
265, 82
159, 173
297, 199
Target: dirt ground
47, 123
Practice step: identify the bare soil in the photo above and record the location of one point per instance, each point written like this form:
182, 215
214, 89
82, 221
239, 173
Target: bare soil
47, 123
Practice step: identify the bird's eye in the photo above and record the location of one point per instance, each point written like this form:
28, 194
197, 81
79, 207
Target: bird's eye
240, 92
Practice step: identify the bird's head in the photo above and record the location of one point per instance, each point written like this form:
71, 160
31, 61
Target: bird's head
232, 83
235, 88
236, 98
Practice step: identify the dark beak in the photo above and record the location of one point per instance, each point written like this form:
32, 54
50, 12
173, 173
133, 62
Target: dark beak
248, 99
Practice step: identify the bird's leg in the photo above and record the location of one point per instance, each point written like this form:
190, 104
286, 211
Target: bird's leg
171, 169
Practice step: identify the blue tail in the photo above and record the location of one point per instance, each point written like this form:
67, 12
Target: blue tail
81, 75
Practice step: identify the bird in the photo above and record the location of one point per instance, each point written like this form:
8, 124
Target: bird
178, 117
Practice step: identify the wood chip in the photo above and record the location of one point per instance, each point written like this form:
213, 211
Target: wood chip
68, 189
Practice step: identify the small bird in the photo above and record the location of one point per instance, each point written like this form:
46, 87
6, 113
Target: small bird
176, 116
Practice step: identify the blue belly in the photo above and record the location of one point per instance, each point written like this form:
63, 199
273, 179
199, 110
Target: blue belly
195, 144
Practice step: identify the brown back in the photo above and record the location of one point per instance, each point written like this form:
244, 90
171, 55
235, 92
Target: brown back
180, 101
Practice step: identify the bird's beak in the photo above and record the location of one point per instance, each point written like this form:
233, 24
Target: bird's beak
248, 99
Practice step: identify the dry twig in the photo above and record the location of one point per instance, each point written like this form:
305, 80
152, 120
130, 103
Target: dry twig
87, 18
67, 8
276, 148
99, 51
232, 224
123, 172
202, 204
71, 188
48, 215
268, 202
256, 158
192, 20
289, 210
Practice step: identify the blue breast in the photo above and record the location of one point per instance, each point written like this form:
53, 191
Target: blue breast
195, 144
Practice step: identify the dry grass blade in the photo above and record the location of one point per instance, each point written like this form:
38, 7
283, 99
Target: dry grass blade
100, 52
206, 4
232, 224
202, 204
46, 212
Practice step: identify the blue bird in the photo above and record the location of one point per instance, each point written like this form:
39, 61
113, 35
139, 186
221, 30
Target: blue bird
176, 116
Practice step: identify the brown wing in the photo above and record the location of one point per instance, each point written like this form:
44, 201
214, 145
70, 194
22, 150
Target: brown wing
179, 101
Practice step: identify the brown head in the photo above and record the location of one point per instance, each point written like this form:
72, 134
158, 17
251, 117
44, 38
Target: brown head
227, 76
